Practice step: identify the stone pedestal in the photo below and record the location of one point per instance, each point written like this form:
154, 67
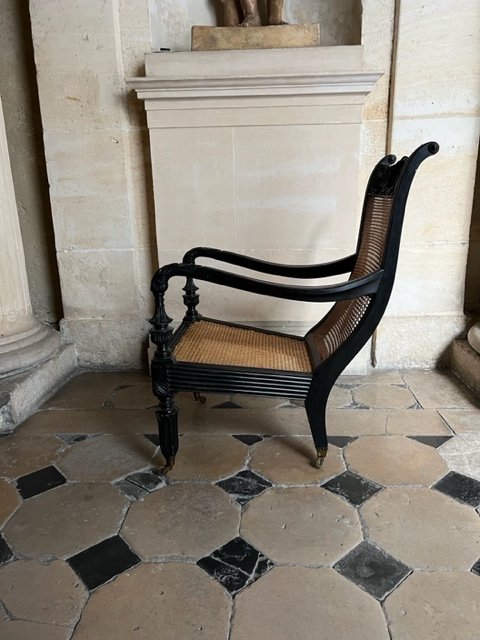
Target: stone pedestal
273, 37
23, 340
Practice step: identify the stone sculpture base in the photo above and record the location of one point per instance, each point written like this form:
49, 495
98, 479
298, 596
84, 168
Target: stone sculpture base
273, 37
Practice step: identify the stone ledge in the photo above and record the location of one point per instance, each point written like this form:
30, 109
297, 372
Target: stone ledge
465, 362
272, 37
23, 393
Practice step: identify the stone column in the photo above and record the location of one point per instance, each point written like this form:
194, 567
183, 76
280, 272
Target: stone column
24, 341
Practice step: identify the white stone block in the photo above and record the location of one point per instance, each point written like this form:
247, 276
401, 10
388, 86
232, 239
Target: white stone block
98, 284
438, 58
421, 342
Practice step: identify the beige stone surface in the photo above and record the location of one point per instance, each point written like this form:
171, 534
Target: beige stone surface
271, 37
307, 525
289, 460
425, 529
462, 421
255, 421
52, 594
9, 501
189, 520
91, 390
440, 389
106, 458
395, 346
356, 422
435, 606
430, 49
20, 454
208, 458
183, 602
136, 396
90, 421
374, 376
427, 422
213, 199
462, 454
21, 630
65, 520
296, 602
383, 396
393, 460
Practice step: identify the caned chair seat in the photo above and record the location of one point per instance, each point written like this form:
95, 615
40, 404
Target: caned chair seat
209, 356
215, 343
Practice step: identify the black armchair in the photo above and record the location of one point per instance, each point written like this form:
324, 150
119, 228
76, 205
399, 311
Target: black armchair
206, 355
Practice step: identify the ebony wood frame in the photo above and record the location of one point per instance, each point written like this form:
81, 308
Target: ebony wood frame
389, 178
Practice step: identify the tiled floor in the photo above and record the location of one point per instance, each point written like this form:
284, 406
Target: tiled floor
245, 540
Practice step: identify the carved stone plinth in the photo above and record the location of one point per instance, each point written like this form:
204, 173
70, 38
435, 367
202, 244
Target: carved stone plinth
273, 37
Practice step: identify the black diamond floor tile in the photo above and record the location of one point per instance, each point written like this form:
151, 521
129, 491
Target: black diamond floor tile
432, 441
71, 438
235, 565
153, 437
352, 487
103, 561
375, 571
5, 552
341, 441
248, 439
148, 480
460, 487
130, 490
244, 486
227, 405
476, 568
40, 481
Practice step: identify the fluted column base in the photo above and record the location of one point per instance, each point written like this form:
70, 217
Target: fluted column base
27, 348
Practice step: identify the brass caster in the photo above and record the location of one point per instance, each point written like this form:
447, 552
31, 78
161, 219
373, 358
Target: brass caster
199, 398
321, 455
168, 466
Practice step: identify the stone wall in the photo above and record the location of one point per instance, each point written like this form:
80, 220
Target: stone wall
435, 96
98, 163
97, 159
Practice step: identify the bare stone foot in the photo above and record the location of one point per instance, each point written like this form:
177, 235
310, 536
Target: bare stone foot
251, 20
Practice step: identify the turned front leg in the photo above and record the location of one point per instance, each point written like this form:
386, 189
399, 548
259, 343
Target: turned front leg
167, 419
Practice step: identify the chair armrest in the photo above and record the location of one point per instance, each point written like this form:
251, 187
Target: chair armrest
367, 285
344, 265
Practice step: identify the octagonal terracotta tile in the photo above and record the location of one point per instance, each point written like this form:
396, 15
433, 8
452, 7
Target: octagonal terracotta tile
21, 630
10, 500
435, 606
23, 454
423, 528
181, 520
105, 458
302, 525
425, 422
208, 457
393, 460
288, 460
52, 594
296, 602
65, 520
173, 600
384, 396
